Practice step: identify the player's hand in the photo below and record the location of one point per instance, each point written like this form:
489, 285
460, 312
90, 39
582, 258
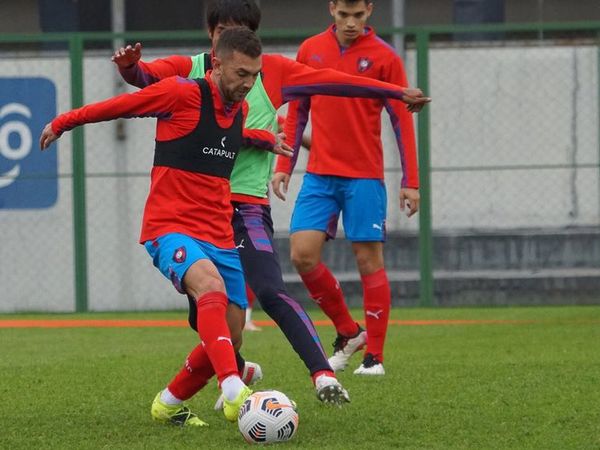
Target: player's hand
277, 180
126, 57
415, 99
409, 200
281, 148
47, 137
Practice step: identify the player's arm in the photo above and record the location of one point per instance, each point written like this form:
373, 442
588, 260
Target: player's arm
296, 119
159, 100
264, 139
284, 166
300, 80
306, 139
404, 131
141, 74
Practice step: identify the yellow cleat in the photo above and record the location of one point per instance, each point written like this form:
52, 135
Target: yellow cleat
231, 409
179, 415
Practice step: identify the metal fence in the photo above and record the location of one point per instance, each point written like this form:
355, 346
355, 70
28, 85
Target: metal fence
508, 155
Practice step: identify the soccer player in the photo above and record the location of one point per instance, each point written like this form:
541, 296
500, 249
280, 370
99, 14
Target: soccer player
281, 80
345, 174
186, 227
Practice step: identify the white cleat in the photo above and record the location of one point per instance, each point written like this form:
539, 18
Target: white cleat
370, 366
344, 348
252, 374
330, 391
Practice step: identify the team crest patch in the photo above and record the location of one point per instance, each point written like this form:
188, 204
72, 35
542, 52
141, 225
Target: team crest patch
179, 255
363, 64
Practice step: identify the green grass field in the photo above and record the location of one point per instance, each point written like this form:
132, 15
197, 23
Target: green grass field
530, 383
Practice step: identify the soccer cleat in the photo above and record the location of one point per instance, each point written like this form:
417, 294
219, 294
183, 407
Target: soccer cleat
179, 415
330, 391
252, 374
370, 366
231, 409
344, 347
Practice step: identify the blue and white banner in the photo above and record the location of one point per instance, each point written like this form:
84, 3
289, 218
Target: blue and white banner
28, 177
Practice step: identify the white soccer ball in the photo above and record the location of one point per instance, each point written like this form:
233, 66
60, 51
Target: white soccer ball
267, 417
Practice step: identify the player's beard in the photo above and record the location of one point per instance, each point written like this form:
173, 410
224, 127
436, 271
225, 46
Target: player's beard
239, 94
236, 95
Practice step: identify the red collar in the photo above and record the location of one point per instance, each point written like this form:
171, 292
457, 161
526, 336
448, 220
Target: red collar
367, 32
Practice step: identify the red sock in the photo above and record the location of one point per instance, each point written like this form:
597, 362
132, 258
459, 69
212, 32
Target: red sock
325, 291
214, 332
193, 376
377, 302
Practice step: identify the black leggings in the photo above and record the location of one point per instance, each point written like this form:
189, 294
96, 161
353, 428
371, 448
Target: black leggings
253, 229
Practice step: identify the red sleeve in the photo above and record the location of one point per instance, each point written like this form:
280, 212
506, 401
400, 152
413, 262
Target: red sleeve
158, 100
402, 124
293, 126
144, 74
280, 122
299, 81
252, 137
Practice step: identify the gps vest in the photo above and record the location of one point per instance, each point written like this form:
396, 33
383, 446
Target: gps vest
209, 149
253, 168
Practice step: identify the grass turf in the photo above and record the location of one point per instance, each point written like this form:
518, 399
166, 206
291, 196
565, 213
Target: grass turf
530, 383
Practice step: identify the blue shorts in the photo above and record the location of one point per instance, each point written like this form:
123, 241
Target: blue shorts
362, 202
174, 253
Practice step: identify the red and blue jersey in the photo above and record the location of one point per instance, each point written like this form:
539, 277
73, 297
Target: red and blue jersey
346, 132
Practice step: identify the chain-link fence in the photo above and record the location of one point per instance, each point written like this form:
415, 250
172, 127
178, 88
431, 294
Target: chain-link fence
508, 152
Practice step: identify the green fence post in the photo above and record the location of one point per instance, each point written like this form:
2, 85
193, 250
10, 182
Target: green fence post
426, 297
78, 163
598, 103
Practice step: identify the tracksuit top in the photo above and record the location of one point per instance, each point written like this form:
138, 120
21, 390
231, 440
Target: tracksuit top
346, 133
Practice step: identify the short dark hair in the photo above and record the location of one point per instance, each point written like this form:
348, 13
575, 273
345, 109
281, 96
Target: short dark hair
351, 2
239, 39
235, 12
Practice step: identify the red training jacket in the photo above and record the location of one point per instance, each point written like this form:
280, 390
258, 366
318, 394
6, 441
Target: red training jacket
179, 201
346, 133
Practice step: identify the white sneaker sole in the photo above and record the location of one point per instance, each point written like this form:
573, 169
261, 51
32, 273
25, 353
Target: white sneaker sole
376, 370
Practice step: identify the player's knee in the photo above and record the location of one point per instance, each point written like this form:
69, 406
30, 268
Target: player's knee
208, 284
368, 262
367, 267
303, 262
